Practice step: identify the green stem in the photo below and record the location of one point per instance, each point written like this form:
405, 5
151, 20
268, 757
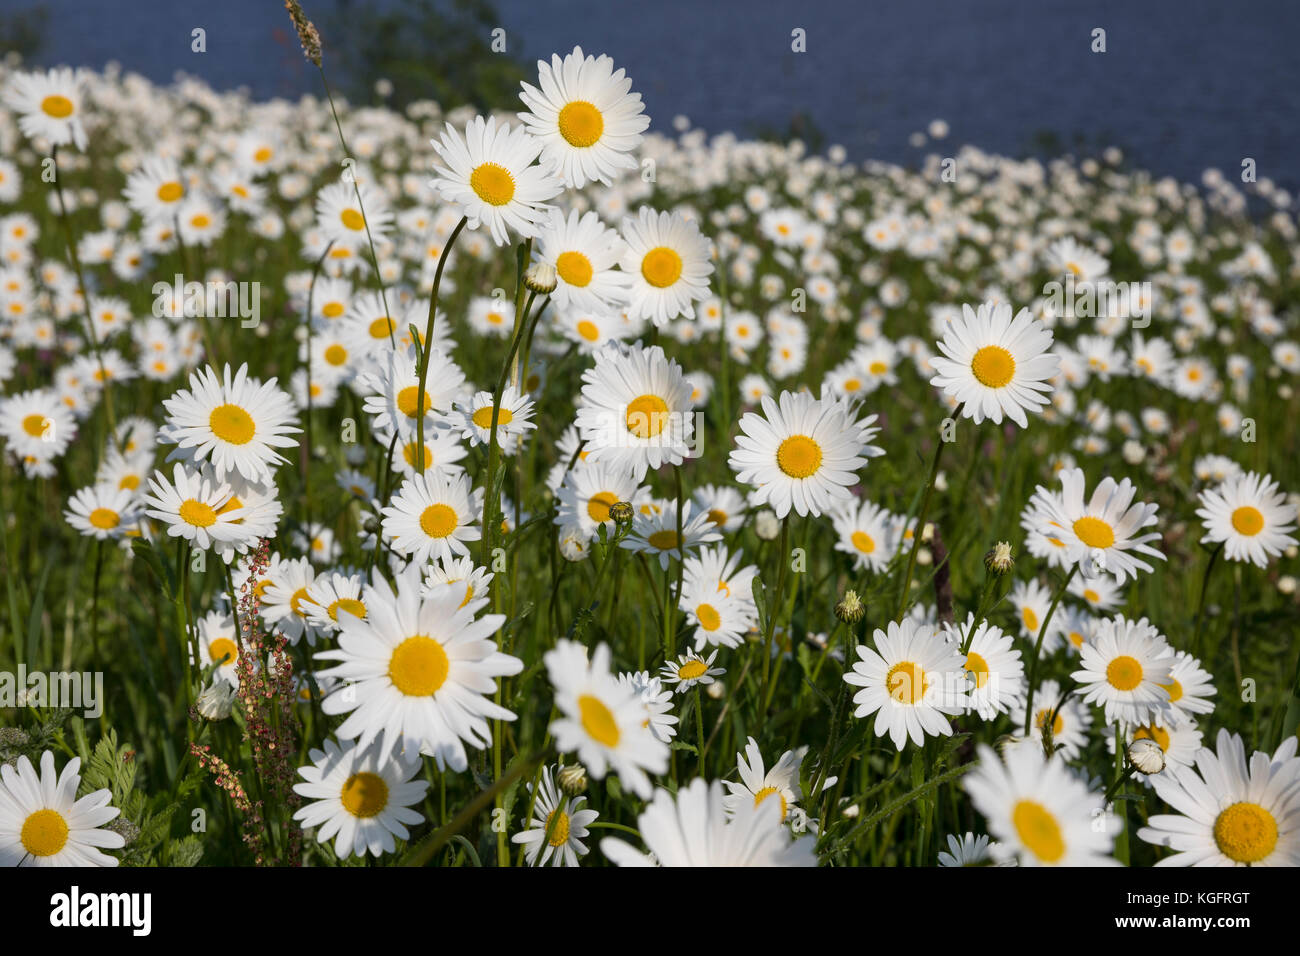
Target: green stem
920, 531
1038, 649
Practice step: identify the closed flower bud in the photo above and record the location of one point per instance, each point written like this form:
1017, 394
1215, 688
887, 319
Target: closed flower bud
216, 700
766, 526
999, 560
1146, 755
621, 512
850, 608
573, 779
540, 278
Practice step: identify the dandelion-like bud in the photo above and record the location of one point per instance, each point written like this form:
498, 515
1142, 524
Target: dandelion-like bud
621, 512
1146, 756
850, 608
766, 525
573, 779
216, 701
307, 34
540, 278
999, 560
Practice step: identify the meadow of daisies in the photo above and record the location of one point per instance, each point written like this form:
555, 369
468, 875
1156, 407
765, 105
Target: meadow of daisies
566, 487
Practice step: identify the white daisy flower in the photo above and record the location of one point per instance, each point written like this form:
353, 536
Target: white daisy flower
558, 825
361, 797
1230, 811
103, 511
432, 517
669, 262
602, 720
1126, 669
1070, 719
694, 829
49, 105
757, 784
491, 176
690, 669
236, 423
995, 365
910, 682
418, 671
584, 116
1105, 529
803, 453
42, 823
584, 253
996, 669
1038, 811
1250, 516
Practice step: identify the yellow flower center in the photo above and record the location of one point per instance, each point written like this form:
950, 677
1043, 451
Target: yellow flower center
717, 516
170, 192
1094, 532
263, 155
661, 267
574, 268
352, 219
197, 513
493, 184
438, 521
364, 794
129, 482
1245, 832
581, 124
1124, 672
1175, 690
557, 825
59, 107
1058, 724
419, 666
483, 417
295, 602
223, 651
104, 518
878, 368
1038, 831
588, 330
598, 721
768, 792
337, 355
646, 416
351, 605
979, 667
598, 506
1248, 521
708, 616
1091, 596
852, 385
411, 449
692, 669
993, 366
45, 832
381, 326
864, 542
905, 682
200, 221
232, 424
663, 540
799, 456
34, 425
408, 400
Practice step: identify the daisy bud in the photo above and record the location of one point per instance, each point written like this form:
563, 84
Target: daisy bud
1146, 755
716, 691
621, 512
540, 278
1286, 584
216, 701
573, 546
572, 780
1000, 559
850, 608
766, 526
